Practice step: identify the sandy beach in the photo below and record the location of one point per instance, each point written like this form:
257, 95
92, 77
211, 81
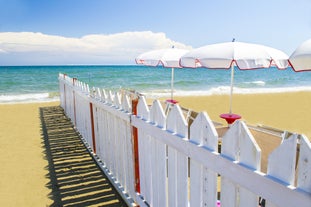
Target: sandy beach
284, 111
23, 177
24, 169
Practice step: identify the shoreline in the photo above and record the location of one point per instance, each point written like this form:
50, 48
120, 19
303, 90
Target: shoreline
52, 96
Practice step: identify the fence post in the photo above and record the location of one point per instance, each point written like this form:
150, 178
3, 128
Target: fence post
92, 127
135, 145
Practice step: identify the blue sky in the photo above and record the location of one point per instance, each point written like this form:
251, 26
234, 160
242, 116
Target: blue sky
132, 27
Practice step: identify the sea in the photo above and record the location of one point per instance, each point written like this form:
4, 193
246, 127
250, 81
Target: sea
23, 84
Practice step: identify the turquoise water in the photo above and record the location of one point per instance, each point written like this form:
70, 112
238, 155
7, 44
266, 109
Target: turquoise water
40, 83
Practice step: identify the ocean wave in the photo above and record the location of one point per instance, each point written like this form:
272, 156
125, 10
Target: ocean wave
29, 97
256, 83
156, 94
224, 90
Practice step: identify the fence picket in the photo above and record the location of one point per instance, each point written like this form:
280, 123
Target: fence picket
250, 156
98, 94
203, 182
107, 139
230, 149
203, 132
142, 109
126, 106
304, 165
103, 95
115, 130
110, 97
100, 131
282, 161
130, 168
143, 164
143, 144
123, 154
230, 142
240, 146
177, 161
158, 160
118, 149
157, 115
117, 100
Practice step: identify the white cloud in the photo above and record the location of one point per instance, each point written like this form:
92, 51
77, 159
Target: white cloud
18, 48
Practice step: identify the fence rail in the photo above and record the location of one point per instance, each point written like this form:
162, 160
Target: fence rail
158, 158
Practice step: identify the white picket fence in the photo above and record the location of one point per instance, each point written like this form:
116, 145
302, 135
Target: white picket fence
180, 165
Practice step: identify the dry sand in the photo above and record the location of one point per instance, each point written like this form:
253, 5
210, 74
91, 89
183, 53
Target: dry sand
285, 111
23, 165
23, 175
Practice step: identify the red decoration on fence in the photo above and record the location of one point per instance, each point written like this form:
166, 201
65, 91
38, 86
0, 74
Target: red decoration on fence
135, 144
92, 127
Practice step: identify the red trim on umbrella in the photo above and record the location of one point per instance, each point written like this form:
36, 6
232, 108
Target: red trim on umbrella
291, 65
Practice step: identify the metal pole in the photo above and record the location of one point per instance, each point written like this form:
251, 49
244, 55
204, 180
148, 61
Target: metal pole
231, 88
232, 78
172, 84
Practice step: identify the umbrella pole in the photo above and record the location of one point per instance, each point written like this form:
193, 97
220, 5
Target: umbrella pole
172, 84
231, 88
230, 118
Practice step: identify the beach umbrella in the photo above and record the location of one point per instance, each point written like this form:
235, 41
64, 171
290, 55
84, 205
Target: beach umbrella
226, 55
300, 59
168, 58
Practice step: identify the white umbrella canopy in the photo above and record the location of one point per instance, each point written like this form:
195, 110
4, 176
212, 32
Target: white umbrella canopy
245, 56
169, 58
300, 59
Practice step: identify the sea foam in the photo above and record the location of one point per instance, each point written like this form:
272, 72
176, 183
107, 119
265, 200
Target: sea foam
224, 90
28, 98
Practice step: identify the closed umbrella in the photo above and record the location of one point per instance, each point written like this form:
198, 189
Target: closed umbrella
169, 58
226, 55
300, 59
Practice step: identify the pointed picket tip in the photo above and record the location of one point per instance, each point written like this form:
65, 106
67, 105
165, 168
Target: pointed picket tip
103, 95
304, 165
110, 97
93, 92
230, 141
239, 144
176, 122
87, 88
126, 105
250, 152
98, 94
282, 161
157, 115
142, 109
78, 85
203, 132
117, 100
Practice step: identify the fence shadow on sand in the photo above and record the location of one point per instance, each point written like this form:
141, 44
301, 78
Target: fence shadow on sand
75, 179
